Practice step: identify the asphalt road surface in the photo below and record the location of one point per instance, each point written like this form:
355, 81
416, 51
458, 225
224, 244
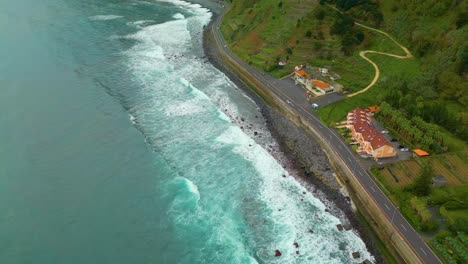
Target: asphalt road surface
338, 145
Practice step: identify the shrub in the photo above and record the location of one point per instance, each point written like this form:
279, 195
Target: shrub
422, 184
430, 225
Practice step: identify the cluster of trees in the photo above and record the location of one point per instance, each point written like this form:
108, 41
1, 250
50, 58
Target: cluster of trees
366, 10
343, 24
350, 34
435, 31
414, 130
418, 99
422, 184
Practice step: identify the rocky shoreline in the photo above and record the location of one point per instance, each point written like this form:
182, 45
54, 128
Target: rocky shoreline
305, 157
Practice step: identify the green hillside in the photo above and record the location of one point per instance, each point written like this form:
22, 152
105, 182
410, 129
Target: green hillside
432, 85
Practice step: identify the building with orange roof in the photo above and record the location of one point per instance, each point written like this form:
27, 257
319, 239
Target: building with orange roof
371, 142
317, 87
420, 153
322, 87
301, 76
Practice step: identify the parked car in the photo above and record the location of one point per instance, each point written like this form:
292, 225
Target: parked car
393, 140
404, 149
315, 106
384, 132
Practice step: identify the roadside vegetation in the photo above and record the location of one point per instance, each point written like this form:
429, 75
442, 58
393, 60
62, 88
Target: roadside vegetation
440, 211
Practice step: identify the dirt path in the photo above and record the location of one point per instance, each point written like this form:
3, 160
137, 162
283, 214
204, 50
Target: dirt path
376, 68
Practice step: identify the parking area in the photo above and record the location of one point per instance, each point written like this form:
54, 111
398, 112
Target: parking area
401, 155
298, 92
327, 99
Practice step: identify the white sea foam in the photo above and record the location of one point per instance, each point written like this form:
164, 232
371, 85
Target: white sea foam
139, 22
292, 221
192, 188
132, 119
104, 17
170, 77
202, 13
178, 16
183, 108
176, 36
223, 116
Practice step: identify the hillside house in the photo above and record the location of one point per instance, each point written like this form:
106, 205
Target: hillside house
371, 142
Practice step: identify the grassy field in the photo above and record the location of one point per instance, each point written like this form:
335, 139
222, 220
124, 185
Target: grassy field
389, 68
262, 33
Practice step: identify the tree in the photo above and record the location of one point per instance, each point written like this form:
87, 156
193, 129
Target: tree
360, 37
320, 14
308, 34
422, 184
343, 24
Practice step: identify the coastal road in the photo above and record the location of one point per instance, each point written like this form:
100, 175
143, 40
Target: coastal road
338, 145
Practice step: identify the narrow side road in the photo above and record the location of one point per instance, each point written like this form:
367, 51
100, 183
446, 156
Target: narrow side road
339, 147
363, 53
376, 68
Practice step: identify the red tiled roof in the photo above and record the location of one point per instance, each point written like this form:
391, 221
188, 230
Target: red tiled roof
320, 84
361, 122
303, 73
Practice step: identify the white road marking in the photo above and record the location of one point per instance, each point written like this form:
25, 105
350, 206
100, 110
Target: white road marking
340, 147
387, 206
423, 251
350, 159
404, 227
372, 189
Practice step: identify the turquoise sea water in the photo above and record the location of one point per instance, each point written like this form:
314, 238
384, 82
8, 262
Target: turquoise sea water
120, 143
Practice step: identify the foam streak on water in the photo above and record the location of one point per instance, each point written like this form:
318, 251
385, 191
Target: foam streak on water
230, 196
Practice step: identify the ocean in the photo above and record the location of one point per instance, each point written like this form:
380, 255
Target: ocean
121, 143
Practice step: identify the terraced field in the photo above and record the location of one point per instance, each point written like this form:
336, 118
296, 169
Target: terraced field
453, 166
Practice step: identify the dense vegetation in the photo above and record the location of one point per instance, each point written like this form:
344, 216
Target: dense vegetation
312, 32
414, 130
436, 32
439, 212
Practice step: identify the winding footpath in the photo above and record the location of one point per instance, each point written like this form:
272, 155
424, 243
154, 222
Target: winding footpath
376, 68
338, 146
364, 52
